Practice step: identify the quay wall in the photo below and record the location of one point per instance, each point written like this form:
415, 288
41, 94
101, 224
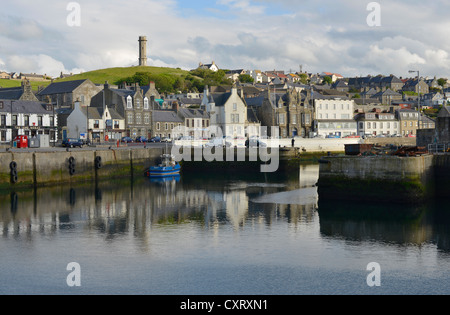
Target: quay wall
378, 178
35, 169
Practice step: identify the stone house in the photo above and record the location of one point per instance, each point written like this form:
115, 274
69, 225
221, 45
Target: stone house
166, 124
409, 121
196, 121
133, 105
212, 66
65, 94
5, 75
289, 110
97, 122
22, 93
387, 96
227, 111
413, 85
391, 82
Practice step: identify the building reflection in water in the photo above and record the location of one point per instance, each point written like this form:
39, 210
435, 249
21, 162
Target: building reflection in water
127, 208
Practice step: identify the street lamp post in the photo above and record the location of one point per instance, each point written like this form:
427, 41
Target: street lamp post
418, 99
12, 127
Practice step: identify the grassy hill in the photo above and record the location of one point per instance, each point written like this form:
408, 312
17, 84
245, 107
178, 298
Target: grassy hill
167, 80
113, 75
4, 83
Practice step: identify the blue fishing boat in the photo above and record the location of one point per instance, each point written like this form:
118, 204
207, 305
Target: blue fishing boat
168, 167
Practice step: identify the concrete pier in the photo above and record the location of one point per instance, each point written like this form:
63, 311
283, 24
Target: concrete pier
36, 169
378, 178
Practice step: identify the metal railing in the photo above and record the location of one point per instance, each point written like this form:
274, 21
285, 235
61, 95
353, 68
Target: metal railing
436, 148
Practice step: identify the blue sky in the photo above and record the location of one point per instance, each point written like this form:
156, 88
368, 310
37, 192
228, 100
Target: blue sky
320, 35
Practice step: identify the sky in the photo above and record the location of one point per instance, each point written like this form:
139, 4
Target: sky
54, 36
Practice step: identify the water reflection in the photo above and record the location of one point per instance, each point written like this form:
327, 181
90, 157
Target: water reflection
114, 210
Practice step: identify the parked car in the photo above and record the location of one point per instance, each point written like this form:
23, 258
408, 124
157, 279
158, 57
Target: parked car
127, 140
155, 139
252, 143
141, 139
218, 142
166, 140
72, 143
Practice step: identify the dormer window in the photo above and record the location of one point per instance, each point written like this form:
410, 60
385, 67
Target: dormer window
129, 102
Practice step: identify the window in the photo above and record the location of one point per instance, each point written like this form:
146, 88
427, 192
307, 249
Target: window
138, 103
361, 125
146, 103
1, 104
116, 124
237, 118
374, 125
97, 124
14, 120
167, 126
232, 118
381, 125
146, 119
40, 121
138, 119
187, 123
294, 119
235, 106
52, 121
130, 118
281, 118
3, 120
158, 126
129, 102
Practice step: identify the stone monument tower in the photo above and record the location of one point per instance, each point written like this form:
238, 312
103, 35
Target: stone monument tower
142, 50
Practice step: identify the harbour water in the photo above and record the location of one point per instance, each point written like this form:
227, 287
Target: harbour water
218, 235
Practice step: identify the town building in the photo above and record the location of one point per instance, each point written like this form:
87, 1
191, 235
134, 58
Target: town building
134, 105
65, 94
334, 117
95, 123
227, 111
377, 123
409, 121
167, 124
22, 93
196, 121
211, 66
27, 118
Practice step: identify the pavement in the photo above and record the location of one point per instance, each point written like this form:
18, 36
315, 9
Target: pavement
95, 147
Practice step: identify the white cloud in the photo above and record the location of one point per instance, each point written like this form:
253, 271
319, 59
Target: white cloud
322, 36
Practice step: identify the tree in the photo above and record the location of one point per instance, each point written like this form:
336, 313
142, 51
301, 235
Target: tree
246, 78
327, 79
442, 81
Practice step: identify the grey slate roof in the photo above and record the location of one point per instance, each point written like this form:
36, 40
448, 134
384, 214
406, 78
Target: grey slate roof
166, 116
61, 87
28, 107
221, 99
11, 93
193, 113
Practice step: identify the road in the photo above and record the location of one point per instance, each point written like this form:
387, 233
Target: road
103, 146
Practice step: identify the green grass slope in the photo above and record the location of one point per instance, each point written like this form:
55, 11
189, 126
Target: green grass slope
112, 75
